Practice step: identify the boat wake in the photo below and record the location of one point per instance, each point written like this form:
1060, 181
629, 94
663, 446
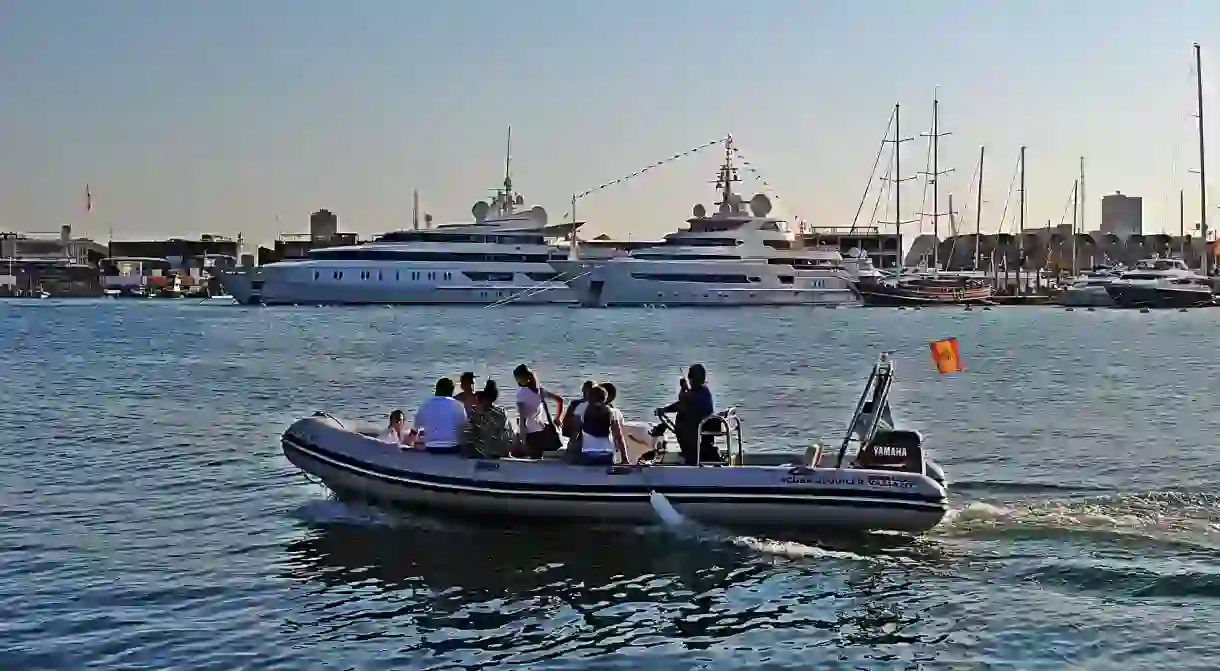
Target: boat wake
1177, 517
676, 524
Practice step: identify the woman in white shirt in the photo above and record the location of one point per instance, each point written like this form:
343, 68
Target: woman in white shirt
397, 433
601, 432
537, 430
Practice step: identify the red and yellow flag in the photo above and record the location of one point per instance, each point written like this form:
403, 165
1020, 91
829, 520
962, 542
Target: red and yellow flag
946, 357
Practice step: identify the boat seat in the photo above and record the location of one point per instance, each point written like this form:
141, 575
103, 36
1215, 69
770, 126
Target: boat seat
893, 450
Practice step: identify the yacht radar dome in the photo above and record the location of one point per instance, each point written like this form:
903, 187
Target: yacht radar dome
760, 205
520, 200
699, 211
480, 210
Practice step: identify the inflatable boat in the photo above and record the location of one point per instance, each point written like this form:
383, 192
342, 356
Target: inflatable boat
887, 484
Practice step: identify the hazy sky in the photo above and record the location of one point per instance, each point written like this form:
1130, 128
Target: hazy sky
188, 117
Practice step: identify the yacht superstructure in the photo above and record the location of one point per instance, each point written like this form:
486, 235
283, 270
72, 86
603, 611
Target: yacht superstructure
505, 253
730, 257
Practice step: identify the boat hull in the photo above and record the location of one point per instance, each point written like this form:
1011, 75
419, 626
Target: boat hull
619, 283
361, 467
1093, 297
257, 288
1136, 296
882, 294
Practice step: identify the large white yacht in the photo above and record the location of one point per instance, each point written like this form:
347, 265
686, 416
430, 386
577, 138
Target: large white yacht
732, 257
503, 255
1160, 283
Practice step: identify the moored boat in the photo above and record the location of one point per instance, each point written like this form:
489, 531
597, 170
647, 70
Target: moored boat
888, 485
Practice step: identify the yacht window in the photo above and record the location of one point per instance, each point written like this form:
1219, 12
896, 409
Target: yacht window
686, 257
755, 279
692, 277
355, 254
769, 226
316, 274
379, 276
542, 277
687, 241
488, 277
785, 279
396, 278
778, 244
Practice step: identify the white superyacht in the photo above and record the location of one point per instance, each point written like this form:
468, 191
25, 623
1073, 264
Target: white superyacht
732, 257
505, 253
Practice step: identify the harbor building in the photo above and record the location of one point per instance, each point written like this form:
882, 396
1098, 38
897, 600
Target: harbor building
1122, 215
53, 262
323, 232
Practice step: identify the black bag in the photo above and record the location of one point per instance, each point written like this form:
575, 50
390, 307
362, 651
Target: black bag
549, 439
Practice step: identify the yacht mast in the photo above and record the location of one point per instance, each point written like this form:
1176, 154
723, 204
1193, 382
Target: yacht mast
934, 176
896, 179
1075, 221
1021, 228
978, 210
1182, 223
1202, 166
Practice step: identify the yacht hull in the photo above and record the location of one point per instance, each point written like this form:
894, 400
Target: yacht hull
265, 288
1092, 297
1136, 296
618, 284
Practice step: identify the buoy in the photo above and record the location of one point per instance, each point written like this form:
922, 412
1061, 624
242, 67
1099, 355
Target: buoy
1144, 311
1070, 310
1092, 309
1181, 309
986, 307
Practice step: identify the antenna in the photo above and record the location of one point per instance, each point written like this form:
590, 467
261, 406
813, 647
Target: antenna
508, 160
896, 180
726, 178
934, 175
415, 210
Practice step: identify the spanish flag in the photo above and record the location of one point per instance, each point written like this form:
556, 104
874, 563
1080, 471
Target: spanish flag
946, 357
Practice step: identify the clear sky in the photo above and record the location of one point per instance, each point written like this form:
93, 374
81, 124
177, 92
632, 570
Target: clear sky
188, 117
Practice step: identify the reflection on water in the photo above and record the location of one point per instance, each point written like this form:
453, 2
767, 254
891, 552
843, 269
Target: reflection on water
470, 594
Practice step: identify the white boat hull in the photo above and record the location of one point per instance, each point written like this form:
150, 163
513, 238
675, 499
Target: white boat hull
626, 282
792, 498
281, 287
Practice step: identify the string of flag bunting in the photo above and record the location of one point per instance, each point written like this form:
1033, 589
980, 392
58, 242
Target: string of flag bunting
753, 171
641, 171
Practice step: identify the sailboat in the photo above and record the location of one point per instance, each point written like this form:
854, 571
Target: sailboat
926, 285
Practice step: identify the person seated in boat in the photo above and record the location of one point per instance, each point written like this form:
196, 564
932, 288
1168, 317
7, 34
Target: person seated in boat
571, 418
398, 433
488, 433
536, 430
601, 432
440, 419
694, 405
466, 395
611, 392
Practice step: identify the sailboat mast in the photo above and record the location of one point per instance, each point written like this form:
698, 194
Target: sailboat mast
1202, 161
1075, 209
978, 210
896, 179
1021, 226
1182, 223
934, 176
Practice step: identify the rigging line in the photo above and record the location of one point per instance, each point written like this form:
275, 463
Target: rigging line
927, 179
1012, 182
637, 173
882, 193
536, 289
1071, 201
885, 139
753, 171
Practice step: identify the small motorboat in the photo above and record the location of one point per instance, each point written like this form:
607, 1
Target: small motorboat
888, 484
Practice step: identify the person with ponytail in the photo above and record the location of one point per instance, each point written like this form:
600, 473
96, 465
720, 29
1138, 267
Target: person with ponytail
536, 428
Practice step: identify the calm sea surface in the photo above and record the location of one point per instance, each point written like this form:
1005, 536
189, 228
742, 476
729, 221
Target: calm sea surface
148, 519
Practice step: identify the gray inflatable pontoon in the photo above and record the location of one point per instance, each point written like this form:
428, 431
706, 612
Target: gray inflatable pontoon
888, 485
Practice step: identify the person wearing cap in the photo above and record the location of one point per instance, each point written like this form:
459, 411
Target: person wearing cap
466, 395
